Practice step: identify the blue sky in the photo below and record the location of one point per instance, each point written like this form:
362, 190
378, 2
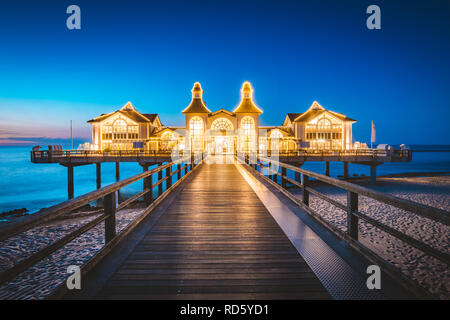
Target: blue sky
293, 52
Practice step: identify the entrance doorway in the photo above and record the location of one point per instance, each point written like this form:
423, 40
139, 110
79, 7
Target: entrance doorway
221, 145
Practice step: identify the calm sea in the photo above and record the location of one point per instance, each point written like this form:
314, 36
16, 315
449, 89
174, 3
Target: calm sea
35, 186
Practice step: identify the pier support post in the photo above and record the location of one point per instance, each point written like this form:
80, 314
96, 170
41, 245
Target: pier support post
160, 185
98, 167
70, 182
345, 170
169, 177
327, 168
373, 173
117, 179
148, 182
117, 171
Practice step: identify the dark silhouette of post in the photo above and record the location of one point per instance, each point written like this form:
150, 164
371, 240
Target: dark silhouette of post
98, 167
110, 212
70, 181
345, 170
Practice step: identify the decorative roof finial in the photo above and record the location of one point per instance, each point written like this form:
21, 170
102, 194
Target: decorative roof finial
247, 90
197, 91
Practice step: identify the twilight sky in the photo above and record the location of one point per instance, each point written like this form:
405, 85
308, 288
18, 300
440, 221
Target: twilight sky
293, 52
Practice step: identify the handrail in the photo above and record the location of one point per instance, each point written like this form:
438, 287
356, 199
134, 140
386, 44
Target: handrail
108, 215
408, 205
373, 153
351, 207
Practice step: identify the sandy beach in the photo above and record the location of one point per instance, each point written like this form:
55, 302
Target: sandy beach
433, 191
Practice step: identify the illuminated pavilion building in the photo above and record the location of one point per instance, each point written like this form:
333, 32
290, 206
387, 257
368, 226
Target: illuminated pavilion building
222, 131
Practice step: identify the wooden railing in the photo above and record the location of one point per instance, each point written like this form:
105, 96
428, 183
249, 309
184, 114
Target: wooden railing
184, 167
351, 235
94, 153
373, 153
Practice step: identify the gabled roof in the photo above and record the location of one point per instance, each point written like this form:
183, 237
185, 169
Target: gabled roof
293, 116
247, 105
316, 110
161, 130
197, 105
128, 110
222, 111
150, 116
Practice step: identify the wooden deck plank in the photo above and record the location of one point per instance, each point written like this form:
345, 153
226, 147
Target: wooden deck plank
216, 240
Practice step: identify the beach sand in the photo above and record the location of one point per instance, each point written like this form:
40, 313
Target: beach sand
433, 191
39, 281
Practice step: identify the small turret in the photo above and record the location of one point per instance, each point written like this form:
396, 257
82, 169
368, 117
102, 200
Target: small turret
197, 105
247, 105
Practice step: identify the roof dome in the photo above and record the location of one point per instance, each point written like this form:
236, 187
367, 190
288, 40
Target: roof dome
197, 88
246, 89
197, 105
247, 105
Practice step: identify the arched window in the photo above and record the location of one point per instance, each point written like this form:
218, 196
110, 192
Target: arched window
120, 129
324, 125
324, 129
222, 124
248, 126
196, 127
120, 125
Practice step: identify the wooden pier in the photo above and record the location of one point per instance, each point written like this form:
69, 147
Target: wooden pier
207, 235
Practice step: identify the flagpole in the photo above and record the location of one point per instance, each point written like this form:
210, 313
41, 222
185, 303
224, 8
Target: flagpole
71, 136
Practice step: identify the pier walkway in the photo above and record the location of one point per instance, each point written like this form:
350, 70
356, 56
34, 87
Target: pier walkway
216, 240
229, 231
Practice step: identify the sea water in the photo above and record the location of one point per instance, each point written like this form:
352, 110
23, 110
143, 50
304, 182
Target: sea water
34, 186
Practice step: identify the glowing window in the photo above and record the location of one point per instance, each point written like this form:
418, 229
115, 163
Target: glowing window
222, 124
324, 125
120, 126
196, 127
248, 126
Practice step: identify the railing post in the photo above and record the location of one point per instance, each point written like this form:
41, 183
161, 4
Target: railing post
269, 169
110, 212
179, 171
305, 193
283, 175
274, 175
352, 220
